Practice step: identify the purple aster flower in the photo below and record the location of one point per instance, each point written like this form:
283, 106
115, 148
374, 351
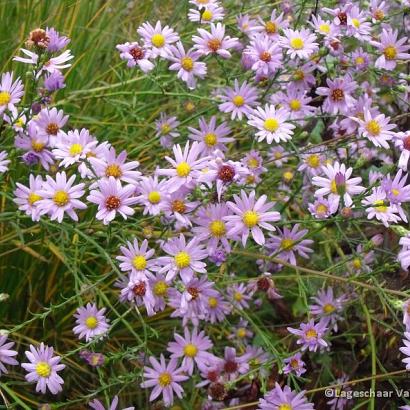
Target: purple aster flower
311, 335
392, 50
97, 405
27, 197
218, 257
187, 166
299, 43
54, 81
312, 162
278, 399
192, 348
116, 166
60, 196
272, 27
92, 358
360, 59
402, 142
406, 314
324, 27
406, 350
158, 39
152, 194
137, 290
254, 162
239, 100
134, 54
185, 258
357, 24
234, 365
294, 364
6, 354
278, 156
159, 287
43, 369
91, 322
210, 136
217, 308
10, 92
214, 42
208, 14
241, 332
56, 42
323, 208
341, 401
178, 208
111, 198
338, 95
4, 162
288, 242
240, 294
165, 379
338, 183
404, 255
166, 129
246, 24
250, 216
271, 124
185, 62
50, 123
397, 191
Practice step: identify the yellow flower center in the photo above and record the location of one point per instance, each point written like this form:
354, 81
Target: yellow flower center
238, 296
154, 197
390, 52
158, 40
294, 363
277, 155
324, 28
359, 60
165, 128
76, 149
5, 97
321, 209
164, 379
210, 139
378, 14
33, 198
379, 205
356, 23
271, 124
160, 288
357, 263
270, 27
19, 122
288, 175
328, 308
285, 406
395, 191
253, 163
61, 198
299, 75
295, 105
183, 169
43, 369
113, 170
187, 63
238, 100
313, 160
207, 15
212, 302
37, 146
190, 350
182, 260
91, 322
139, 262
311, 334
297, 43
333, 187
286, 244
241, 332
217, 228
373, 127
250, 218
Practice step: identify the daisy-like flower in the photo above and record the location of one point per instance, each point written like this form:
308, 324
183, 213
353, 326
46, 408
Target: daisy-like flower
357, 24
265, 56
50, 123
299, 43
185, 258
57, 63
43, 369
215, 41
137, 259
185, 62
91, 322
192, 348
378, 9
323, 208
288, 243
310, 335
74, 146
152, 194
402, 142
4, 162
246, 24
166, 129
187, 166
97, 405
312, 161
397, 191
284, 399
379, 207
211, 226
404, 255
158, 39
341, 401
272, 27
271, 124
338, 95
234, 365
209, 14
278, 156
10, 92
6, 354
56, 41
323, 27
250, 216
178, 208
111, 197
376, 128
240, 294
392, 50
210, 136
165, 379
115, 166
294, 364
338, 183
239, 100
406, 349
134, 54
27, 197
60, 196
217, 309
54, 81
